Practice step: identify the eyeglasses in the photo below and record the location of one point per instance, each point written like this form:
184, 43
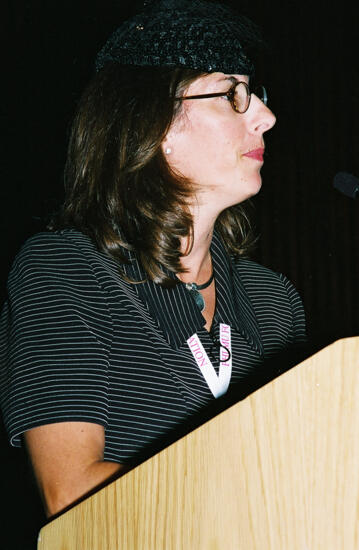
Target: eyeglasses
239, 96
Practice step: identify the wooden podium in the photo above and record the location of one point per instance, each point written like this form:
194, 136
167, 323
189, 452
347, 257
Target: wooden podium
279, 470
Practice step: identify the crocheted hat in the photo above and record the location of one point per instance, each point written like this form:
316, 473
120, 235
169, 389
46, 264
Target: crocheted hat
195, 34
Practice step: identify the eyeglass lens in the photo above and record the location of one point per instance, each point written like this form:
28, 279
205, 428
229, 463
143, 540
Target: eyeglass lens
242, 96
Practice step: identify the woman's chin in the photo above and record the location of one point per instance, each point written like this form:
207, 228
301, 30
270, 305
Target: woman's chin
251, 187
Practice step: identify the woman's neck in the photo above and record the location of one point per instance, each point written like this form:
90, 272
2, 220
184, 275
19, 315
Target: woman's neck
198, 262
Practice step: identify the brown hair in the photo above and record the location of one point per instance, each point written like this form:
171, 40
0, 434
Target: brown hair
119, 188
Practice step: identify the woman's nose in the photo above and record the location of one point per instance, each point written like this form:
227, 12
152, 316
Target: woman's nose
262, 118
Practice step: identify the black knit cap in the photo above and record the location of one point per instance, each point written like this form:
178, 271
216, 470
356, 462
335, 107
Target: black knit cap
195, 34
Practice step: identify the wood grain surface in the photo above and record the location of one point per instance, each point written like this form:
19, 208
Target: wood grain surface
277, 471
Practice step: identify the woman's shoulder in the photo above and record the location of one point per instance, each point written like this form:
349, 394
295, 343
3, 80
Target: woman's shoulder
65, 241
272, 293
59, 256
251, 270
261, 280
64, 247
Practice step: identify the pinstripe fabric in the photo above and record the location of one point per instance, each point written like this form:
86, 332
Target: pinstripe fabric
80, 343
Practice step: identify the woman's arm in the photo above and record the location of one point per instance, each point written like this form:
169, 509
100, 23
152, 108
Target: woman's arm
57, 331
67, 458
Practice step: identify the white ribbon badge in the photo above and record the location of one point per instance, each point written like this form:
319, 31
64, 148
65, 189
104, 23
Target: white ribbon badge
218, 384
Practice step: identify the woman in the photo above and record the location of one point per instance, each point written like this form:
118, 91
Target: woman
138, 308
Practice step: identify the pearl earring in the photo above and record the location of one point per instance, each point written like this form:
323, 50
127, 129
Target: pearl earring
168, 150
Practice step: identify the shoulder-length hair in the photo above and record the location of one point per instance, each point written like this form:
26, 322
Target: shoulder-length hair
119, 188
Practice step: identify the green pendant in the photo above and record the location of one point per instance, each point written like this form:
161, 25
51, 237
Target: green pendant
196, 295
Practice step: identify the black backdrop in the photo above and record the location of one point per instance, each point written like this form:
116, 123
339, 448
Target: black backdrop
308, 230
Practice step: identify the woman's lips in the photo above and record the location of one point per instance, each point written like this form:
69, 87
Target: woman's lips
256, 154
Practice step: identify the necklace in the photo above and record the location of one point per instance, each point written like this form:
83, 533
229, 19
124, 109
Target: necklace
194, 289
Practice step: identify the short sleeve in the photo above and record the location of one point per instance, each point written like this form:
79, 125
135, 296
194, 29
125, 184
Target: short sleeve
55, 335
298, 314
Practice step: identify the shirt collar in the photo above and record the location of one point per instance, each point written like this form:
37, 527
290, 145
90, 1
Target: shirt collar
176, 313
233, 304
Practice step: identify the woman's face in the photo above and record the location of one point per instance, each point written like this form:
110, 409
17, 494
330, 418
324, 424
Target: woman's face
214, 146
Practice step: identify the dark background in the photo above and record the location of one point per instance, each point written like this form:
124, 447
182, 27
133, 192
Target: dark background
307, 229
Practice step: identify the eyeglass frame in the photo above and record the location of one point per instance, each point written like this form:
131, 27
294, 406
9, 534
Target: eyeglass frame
230, 94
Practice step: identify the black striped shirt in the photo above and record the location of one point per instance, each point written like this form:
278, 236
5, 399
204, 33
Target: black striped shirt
78, 343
